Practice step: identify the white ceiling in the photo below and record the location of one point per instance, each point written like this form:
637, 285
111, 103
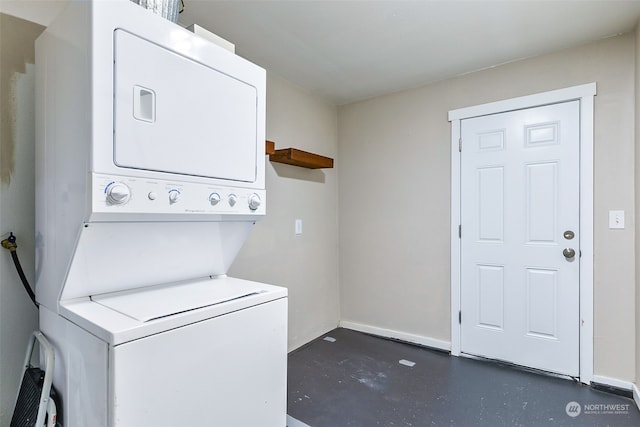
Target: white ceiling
351, 50
346, 50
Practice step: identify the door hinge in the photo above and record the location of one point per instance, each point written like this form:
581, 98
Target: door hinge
460, 231
460, 317
460, 145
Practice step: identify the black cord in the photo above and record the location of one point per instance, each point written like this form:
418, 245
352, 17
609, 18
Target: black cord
23, 278
10, 244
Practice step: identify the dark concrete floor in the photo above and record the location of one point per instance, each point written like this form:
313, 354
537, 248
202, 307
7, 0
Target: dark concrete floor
358, 381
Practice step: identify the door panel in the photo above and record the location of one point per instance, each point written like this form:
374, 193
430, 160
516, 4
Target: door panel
520, 192
541, 205
542, 292
491, 204
490, 293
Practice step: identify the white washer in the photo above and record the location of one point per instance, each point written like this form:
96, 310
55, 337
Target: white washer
209, 352
149, 178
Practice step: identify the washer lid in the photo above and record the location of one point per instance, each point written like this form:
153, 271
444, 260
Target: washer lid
156, 302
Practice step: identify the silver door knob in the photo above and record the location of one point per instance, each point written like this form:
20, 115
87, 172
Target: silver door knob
568, 253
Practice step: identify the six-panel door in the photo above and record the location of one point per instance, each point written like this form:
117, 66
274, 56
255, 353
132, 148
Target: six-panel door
520, 205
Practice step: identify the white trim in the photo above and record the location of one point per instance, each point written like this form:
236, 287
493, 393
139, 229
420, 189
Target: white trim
586, 232
528, 101
397, 335
583, 93
612, 382
636, 395
455, 238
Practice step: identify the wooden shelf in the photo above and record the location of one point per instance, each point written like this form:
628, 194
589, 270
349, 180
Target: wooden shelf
295, 157
270, 147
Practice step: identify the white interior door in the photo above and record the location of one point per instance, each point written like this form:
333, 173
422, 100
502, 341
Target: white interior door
520, 189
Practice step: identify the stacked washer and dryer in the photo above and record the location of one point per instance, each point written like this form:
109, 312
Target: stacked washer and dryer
149, 177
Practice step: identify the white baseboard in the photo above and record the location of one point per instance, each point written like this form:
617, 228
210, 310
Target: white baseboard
402, 336
613, 382
636, 395
292, 422
301, 342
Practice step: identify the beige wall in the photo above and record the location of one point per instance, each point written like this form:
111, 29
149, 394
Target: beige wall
18, 317
306, 264
395, 195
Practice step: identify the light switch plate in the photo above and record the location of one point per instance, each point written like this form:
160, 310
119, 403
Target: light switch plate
616, 219
298, 226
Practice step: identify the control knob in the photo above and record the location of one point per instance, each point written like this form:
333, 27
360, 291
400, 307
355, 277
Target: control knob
214, 199
232, 200
174, 196
118, 193
254, 201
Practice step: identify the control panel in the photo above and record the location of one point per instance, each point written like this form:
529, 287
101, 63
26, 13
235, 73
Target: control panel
112, 194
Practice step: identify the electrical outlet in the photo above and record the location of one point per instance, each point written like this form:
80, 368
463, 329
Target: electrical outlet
616, 219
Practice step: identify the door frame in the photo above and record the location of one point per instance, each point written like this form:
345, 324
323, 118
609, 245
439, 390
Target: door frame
585, 94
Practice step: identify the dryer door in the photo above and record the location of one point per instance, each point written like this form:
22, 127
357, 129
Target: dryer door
173, 114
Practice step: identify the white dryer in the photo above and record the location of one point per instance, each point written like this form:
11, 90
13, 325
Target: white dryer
149, 177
